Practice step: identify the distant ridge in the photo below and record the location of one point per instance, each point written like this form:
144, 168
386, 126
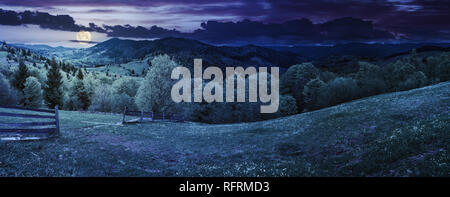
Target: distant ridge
185, 50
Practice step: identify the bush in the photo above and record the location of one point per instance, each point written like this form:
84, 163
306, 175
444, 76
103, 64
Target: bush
32, 93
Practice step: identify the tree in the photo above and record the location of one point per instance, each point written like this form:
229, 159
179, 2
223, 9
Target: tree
154, 92
403, 76
7, 95
80, 92
294, 73
315, 94
444, 70
32, 93
370, 79
287, 105
297, 93
52, 92
103, 99
341, 90
20, 78
128, 86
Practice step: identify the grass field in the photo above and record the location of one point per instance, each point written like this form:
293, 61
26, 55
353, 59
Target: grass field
398, 134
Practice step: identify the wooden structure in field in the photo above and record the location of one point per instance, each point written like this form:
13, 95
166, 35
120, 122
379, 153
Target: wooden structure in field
141, 116
17, 126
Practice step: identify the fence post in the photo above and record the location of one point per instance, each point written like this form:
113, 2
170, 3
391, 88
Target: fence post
142, 115
57, 120
124, 112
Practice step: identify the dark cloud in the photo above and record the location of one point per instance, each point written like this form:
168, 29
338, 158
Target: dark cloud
44, 20
83, 42
318, 20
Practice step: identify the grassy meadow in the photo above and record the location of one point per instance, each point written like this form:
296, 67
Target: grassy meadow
397, 134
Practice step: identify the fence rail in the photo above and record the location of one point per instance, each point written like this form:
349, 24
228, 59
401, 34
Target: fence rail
22, 128
151, 116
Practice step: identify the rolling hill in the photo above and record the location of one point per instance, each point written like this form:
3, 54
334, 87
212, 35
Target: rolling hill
184, 50
396, 134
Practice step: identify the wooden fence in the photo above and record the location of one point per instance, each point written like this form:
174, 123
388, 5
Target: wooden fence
25, 130
141, 116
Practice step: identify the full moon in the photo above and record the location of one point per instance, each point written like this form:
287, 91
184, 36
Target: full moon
83, 37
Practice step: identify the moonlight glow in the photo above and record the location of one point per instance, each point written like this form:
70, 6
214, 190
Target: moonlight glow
83, 37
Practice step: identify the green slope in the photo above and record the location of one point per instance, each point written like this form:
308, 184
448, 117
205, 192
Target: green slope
397, 134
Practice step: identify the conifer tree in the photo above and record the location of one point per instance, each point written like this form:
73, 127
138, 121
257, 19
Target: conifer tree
80, 92
32, 93
20, 77
52, 91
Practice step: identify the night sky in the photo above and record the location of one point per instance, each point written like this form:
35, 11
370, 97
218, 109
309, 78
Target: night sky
409, 18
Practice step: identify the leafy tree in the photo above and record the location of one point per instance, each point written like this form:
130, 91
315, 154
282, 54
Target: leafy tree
154, 92
294, 73
53, 94
414, 80
444, 68
341, 90
7, 95
128, 86
32, 93
370, 79
103, 99
287, 105
315, 94
297, 93
327, 76
403, 76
